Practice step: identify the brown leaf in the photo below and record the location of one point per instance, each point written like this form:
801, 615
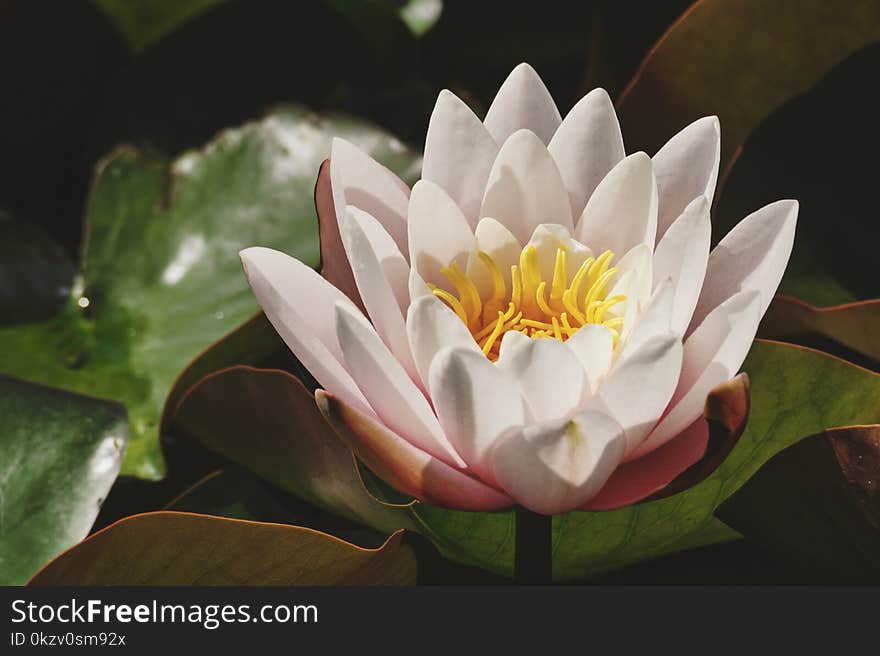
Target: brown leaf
267, 421
715, 60
816, 505
173, 548
854, 325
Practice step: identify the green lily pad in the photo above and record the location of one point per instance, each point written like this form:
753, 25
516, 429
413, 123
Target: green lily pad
795, 392
59, 455
171, 548
713, 60
160, 278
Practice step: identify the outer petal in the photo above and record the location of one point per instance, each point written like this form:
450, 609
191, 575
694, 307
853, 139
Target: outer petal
431, 325
524, 188
522, 102
556, 467
622, 212
712, 355
639, 387
587, 146
382, 277
476, 403
406, 467
681, 256
299, 303
687, 167
438, 233
334, 262
459, 152
395, 398
752, 256
633, 481
359, 180
685, 460
552, 383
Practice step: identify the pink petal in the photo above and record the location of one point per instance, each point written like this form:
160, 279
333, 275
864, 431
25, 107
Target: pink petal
635, 480
406, 467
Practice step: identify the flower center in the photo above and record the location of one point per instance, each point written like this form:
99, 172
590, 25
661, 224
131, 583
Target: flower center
535, 307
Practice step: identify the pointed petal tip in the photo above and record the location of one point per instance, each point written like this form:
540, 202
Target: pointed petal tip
600, 93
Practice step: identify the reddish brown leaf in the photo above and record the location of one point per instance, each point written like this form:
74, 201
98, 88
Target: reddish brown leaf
713, 60
854, 325
174, 548
816, 504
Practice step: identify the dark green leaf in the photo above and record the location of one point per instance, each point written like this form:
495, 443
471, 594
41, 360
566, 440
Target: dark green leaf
35, 273
142, 22
233, 494
59, 455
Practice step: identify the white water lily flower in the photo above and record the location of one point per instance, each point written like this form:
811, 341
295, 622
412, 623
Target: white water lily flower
539, 320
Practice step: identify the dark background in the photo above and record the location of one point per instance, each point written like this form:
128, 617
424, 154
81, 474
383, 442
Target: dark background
72, 89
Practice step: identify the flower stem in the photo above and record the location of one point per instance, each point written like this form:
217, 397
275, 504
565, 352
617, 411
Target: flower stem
533, 561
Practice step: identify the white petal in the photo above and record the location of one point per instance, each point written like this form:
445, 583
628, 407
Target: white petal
712, 356
459, 152
681, 256
299, 304
636, 275
417, 286
395, 398
523, 102
752, 256
547, 240
510, 342
499, 243
593, 346
476, 404
587, 146
639, 387
687, 167
655, 321
357, 179
382, 276
524, 188
552, 383
559, 466
438, 233
431, 325
622, 212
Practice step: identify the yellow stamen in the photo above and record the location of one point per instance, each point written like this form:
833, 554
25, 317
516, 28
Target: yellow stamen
529, 311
